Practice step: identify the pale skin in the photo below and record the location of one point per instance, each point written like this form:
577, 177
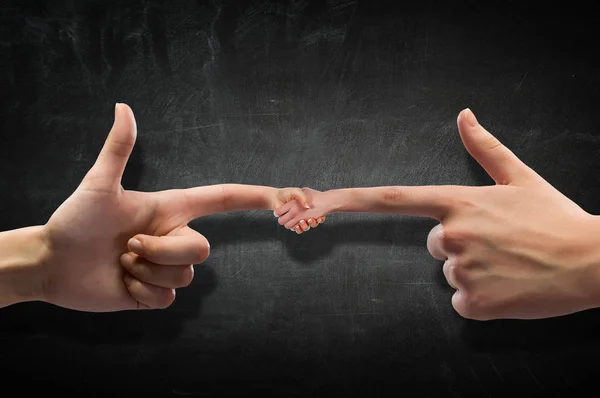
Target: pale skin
87, 256
519, 249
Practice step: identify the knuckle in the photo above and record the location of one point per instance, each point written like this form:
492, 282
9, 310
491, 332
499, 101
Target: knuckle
455, 273
459, 271
469, 262
136, 289
463, 311
187, 275
166, 299
473, 306
129, 283
201, 254
138, 270
151, 246
452, 238
451, 272
460, 306
449, 235
490, 143
466, 201
227, 197
202, 251
121, 147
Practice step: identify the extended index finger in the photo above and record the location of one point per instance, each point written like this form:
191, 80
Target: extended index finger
433, 201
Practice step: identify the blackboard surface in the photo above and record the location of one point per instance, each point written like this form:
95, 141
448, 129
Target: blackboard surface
326, 94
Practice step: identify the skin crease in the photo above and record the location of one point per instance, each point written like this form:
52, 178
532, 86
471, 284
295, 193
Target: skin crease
519, 249
87, 258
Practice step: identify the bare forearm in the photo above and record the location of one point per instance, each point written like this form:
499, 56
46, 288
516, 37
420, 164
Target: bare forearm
232, 197
21, 256
364, 200
247, 197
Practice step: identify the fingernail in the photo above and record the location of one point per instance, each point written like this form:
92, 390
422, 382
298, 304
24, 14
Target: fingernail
470, 118
135, 245
275, 214
306, 206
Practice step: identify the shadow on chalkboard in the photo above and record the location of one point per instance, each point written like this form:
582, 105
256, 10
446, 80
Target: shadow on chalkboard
37, 320
317, 243
577, 329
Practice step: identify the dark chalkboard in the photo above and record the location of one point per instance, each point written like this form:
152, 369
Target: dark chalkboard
326, 94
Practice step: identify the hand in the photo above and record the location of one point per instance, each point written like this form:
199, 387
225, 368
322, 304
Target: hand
519, 249
289, 195
85, 268
299, 219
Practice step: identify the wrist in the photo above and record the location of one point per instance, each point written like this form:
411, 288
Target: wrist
22, 255
268, 197
338, 200
584, 254
591, 279
271, 198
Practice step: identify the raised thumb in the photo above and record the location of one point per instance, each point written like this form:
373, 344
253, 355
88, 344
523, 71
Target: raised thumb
498, 161
110, 164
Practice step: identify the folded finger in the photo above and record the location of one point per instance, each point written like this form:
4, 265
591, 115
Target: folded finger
449, 273
285, 219
281, 210
147, 295
189, 247
293, 223
298, 194
167, 276
304, 225
434, 243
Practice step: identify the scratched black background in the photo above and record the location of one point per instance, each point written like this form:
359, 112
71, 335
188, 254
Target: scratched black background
313, 93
